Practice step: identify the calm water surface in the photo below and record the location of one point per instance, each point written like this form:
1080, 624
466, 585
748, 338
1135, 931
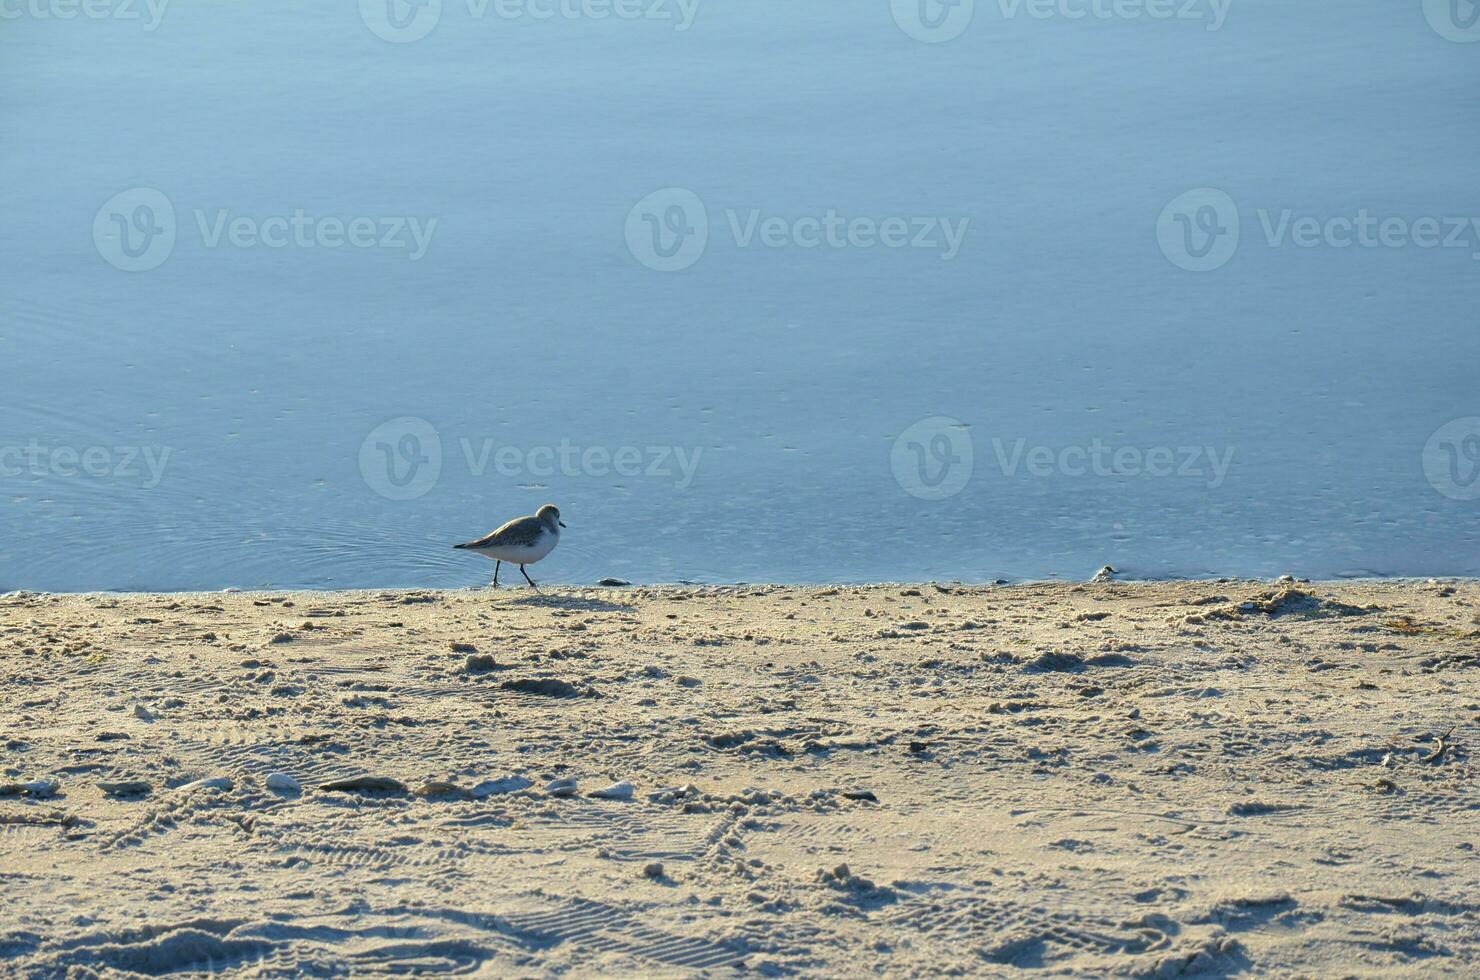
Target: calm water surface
1027, 380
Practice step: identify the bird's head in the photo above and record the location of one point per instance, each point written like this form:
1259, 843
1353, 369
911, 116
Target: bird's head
550, 514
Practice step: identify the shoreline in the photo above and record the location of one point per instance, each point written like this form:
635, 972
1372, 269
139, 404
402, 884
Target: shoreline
555, 588
1126, 778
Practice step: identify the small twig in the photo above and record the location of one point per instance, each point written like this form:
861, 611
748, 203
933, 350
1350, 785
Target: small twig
1437, 756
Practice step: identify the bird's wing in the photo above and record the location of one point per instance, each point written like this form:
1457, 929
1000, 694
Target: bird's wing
520, 531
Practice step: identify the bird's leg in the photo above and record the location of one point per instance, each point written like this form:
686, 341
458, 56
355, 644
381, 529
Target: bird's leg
527, 578
496, 566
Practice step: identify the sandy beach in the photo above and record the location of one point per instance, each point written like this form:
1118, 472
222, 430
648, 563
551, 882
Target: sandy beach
1201, 778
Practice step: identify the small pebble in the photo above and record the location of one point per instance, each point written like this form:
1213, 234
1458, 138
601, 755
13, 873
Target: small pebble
492, 787
37, 788
561, 787
365, 784
283, 783
616, 791
439, 788
131, 787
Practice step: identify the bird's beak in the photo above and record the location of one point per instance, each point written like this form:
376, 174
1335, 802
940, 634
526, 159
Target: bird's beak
561, 523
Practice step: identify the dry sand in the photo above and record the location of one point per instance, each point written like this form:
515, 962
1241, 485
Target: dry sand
1193, 778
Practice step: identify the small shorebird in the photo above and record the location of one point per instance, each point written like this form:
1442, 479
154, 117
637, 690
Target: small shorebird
522, 541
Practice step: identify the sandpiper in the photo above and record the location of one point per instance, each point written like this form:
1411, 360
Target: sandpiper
522, 541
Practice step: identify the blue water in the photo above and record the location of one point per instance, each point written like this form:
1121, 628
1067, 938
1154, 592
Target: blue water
233, 413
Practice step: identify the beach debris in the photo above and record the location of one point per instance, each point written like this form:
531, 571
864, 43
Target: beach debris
460, 647
142, 713
1260, 808
37, 788
125, 787
1011, 707
686, 680
862, 795
54, 818
479, 663
1201, 960
1281, 602
616, 791
654, 870
614, 583
562, 787
207, 782
549, 687
751, 742
1437, 756
1299, 601
668, 795
859, 889
365, 784
283, 783
439, 788
1054, 661
494, 787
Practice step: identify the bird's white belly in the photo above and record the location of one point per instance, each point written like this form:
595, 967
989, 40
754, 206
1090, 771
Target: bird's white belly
522, 554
